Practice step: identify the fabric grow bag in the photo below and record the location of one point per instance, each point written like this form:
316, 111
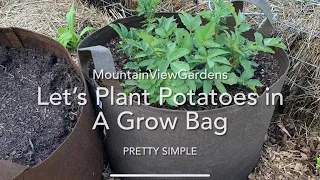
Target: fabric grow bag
232, 156
80, 155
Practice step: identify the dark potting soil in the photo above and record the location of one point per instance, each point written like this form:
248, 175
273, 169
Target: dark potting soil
268, 73
29, 133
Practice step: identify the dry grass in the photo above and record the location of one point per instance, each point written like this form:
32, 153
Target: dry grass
293, 155
46, 16
2, 2
298, 23
183, 5
302, 15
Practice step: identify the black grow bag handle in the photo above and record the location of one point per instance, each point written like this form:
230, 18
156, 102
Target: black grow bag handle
266, 27
102, 61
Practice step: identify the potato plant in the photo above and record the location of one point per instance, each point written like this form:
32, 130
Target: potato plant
198, 47
67, 36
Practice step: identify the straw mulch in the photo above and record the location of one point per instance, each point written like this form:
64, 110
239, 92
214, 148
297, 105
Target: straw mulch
294, 139
299, 24
191, 6
46, 16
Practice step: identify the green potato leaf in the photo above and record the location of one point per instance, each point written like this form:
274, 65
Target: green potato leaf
177, 66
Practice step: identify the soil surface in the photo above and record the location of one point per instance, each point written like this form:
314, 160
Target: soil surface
29, 133
268, 73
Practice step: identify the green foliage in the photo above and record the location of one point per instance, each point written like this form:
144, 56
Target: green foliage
67, 36
318, 163
147, 8
210, 48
